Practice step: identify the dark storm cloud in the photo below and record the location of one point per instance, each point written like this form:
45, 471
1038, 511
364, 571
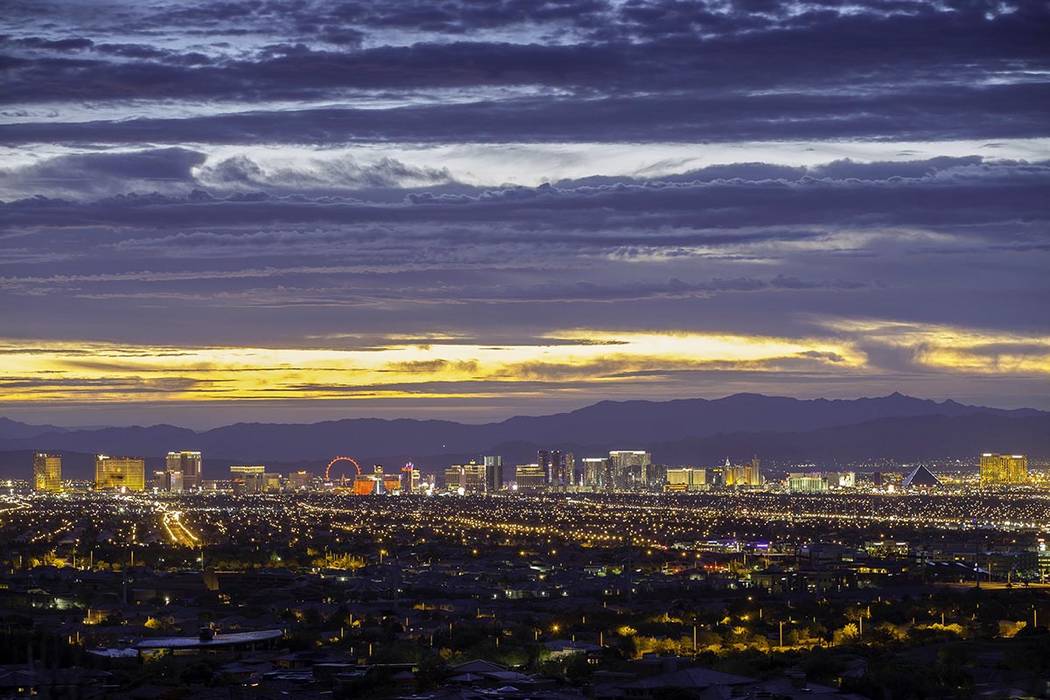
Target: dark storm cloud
647, 50
459, 18
133, 51
637, 71
377, 294
71, 44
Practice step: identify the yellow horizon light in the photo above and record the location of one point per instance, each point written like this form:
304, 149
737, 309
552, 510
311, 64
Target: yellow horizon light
448, 366
108, 371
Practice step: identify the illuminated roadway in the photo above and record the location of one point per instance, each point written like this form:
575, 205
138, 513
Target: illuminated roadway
176, 530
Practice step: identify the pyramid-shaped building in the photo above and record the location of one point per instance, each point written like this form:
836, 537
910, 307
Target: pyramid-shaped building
921, 478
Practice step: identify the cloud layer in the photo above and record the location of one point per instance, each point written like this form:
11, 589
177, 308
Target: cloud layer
442, 195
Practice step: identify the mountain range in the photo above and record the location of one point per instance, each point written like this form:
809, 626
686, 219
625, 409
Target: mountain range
679, 431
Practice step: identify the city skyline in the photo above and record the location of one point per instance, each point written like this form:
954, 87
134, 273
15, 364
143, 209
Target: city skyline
305, 212
554, 472
525, 349
739, 426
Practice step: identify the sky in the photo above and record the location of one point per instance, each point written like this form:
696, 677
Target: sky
213, 212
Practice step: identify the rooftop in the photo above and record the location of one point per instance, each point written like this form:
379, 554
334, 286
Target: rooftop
219, 640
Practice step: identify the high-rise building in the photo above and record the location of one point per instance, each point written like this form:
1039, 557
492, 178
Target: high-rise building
454, 477
471, 477
47, 472
549, 461
530, 477
559, 467
474, 474
755, 474
120, 473
187, 463
167, 481
414, 477
248, 478
841, 480
390, 482
493, 473
733, 475
629, 468
1003, 470
654, 475
566, 474
595, 473
300, 480
807, 483
745, 475
685, 479
271, 482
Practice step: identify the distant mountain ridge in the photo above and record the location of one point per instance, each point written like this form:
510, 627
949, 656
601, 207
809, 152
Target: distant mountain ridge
676, 431
901, 438
14, 429
912, 437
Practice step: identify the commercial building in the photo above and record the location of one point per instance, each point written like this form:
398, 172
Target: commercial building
807, 483
595, 473
453, 477
685, 479
920, 478
630, 469
716, 477
390, 482
548, 459
414, 484
167, 481
1003, 470
566, 473
248, 478
474, 480
300, 480
120, 473
471, 477
841, 480
367, 485
530, 477
187, 463
47, 472
493, 473
559, 467
746, 475
272, 482
378, 482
